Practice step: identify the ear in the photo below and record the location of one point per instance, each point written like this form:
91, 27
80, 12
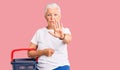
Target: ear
45, 16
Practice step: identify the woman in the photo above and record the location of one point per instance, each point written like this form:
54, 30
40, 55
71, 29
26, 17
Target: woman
51, 42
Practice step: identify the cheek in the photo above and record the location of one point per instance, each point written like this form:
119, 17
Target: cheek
47, 18
58, 18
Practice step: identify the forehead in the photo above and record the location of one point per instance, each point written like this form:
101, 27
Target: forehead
52, 10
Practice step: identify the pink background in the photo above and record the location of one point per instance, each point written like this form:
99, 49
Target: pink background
95, 27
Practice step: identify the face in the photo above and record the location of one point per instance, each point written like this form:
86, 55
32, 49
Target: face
52, 16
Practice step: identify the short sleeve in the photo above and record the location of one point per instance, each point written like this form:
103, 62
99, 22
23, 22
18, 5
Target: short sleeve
35, 38
66, 31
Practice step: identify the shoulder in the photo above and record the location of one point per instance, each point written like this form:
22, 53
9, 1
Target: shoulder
40, 30
66, 31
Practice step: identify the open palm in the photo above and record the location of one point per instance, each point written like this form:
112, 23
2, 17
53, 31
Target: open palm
58, 32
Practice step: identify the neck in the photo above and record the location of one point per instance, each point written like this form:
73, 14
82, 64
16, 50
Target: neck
48, 27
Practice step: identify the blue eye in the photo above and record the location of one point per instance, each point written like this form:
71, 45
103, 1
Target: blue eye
48, 14
55, 14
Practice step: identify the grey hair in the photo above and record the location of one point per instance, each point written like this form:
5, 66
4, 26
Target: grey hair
52, 6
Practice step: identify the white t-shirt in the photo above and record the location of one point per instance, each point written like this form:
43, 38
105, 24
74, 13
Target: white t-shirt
44, 40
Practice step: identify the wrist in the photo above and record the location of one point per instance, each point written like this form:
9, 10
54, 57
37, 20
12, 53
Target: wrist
62, 37
39, 53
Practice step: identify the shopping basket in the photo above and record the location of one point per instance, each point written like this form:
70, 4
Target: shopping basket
23, 63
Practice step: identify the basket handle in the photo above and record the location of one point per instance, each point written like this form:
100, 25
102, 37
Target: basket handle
22, 49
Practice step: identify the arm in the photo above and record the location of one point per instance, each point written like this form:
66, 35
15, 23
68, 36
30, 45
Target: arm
37, 53
66, 38
34, 53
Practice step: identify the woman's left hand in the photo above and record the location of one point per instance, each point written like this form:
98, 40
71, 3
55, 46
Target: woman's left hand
58, 32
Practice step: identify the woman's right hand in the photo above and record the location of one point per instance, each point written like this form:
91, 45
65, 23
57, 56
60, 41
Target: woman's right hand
48, 52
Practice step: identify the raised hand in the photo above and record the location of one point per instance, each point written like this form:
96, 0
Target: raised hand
58, 33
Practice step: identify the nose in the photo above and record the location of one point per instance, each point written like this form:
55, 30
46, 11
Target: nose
52, 17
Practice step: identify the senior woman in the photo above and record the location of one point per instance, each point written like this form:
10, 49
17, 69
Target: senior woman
51, 42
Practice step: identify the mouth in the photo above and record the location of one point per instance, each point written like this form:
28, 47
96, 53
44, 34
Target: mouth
52, 21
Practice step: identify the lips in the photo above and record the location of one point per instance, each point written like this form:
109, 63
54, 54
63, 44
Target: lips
52, 21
